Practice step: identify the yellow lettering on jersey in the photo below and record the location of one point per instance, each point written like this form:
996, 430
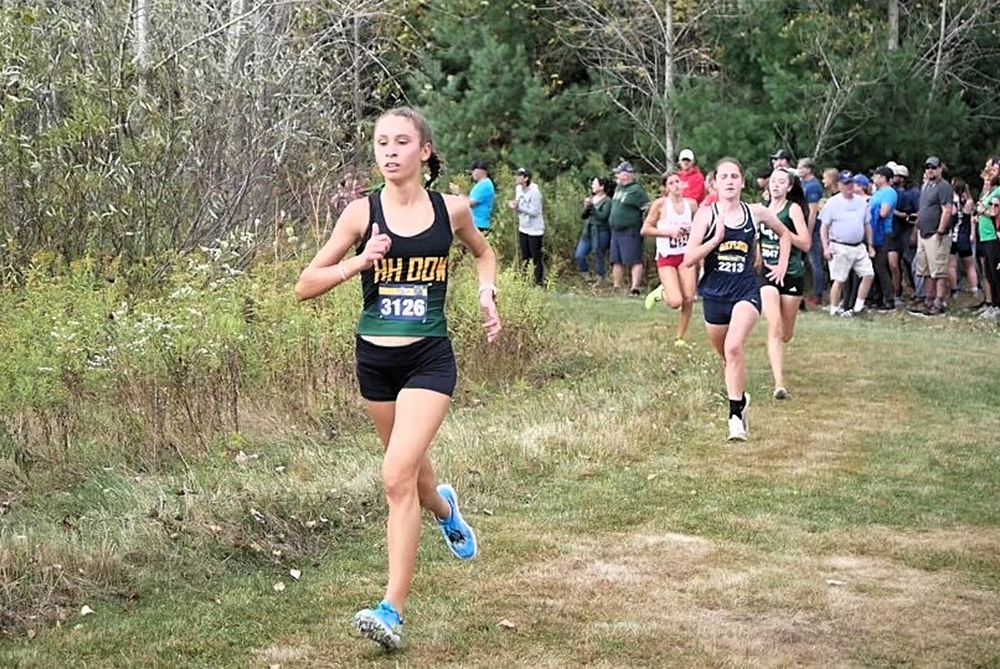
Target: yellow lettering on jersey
430, 269
734, 245
423, 269
413, 270
388, 269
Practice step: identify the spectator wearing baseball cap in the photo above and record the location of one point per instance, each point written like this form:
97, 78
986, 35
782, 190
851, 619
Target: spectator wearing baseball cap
933, 241
863, 185
527, 203
813, 190
781, 158
902, 249
628, 209
850, 294
692, 179
881, 211
847, 243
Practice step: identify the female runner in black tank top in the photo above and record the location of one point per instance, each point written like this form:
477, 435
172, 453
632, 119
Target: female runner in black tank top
723, 235
407, 409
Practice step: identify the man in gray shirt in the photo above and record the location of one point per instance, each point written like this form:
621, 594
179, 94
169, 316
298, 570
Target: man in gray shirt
847, 243
933, 240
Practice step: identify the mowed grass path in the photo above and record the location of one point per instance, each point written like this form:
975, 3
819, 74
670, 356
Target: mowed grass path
859, 525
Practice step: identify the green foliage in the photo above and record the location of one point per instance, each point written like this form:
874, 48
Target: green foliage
212, 352
99, 382
821, 78
104, 160
492, 91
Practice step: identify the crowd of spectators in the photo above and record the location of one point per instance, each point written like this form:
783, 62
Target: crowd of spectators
882, 240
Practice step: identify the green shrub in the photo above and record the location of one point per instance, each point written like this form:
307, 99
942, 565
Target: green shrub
212, 351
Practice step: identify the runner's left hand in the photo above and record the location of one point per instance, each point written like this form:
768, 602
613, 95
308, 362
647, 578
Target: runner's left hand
772, 273
491, 321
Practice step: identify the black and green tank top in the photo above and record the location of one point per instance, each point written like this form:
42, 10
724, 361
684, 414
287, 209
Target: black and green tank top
769, 246
404, 293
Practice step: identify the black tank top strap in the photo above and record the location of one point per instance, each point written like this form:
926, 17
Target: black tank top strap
375, 215
440, 208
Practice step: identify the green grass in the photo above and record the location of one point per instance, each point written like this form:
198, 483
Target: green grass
859, 525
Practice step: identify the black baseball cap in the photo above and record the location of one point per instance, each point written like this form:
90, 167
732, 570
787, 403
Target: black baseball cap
523, 172
781, 153
932, 162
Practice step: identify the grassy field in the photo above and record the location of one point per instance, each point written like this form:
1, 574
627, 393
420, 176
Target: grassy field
859, 525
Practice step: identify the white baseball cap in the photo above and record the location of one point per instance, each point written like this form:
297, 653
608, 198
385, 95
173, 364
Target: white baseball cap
686, 154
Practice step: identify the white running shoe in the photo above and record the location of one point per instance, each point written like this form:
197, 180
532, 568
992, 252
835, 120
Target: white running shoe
737, 432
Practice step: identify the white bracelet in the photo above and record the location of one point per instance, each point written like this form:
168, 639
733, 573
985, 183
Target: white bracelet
488, 286
343, 276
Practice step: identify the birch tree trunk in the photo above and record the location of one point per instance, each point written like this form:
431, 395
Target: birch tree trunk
637, 50
234, 34
140, 36
893, 25
669, 131
939, 55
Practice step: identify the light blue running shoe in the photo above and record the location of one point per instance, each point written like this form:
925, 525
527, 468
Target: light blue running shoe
458, 535
382, 625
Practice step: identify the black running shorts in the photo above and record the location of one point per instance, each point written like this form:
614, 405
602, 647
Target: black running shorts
383, 371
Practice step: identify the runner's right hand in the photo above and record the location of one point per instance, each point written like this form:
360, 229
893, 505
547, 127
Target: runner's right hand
376, 248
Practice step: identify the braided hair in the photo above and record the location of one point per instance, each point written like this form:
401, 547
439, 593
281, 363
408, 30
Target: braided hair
434, 165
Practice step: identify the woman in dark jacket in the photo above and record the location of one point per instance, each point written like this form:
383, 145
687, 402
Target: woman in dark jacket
596, 235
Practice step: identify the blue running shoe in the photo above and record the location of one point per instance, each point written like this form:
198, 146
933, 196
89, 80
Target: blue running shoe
382, 625
458, 535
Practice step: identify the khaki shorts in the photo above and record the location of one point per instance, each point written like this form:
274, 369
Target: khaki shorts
846, 258
932, 256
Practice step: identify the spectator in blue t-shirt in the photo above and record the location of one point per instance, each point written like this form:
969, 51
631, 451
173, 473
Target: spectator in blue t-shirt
882, 207
481, 197
814, 193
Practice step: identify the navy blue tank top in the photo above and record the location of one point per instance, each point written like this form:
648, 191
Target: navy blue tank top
729, 266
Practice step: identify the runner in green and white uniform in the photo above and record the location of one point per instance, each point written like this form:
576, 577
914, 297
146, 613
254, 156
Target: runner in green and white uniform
781, 301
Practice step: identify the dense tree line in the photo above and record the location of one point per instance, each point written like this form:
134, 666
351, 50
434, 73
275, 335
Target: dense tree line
131, 130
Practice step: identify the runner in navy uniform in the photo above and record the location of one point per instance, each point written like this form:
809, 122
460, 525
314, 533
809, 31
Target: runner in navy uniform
724, 236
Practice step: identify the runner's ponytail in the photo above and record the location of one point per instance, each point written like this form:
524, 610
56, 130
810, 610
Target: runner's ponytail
434, 164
